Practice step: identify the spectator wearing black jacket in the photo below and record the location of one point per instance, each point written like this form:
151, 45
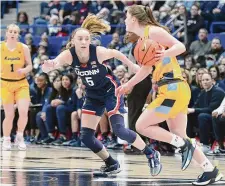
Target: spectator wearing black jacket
209, 99
59, 110
194, 23
40, 96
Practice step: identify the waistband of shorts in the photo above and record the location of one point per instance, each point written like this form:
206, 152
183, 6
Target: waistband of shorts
12, 80
168, 81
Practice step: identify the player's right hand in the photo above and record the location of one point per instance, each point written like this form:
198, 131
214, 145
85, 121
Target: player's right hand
47, 66
215, 114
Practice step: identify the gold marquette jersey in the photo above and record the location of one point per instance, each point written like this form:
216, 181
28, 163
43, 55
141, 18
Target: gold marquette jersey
167, 69
11, 61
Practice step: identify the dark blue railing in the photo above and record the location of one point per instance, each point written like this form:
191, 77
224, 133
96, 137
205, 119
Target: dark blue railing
213, 24
44, 26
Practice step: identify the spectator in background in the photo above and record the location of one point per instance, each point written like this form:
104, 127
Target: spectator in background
67, 9
73, 19
193, 72
182, 13
198, 79
121, 70
43, 91
76, 116
208, 100
216, 48
210, 60
83, 8
104, 14
219, 129
52, 75
164, 15
23, 23
42, 50
54, 26
201, 46
29, 42
194, 90
60, 109
53, 7
115, 44
215, 73
41, 116
194, 23
44, 38
188, 62
222, 71
117, 18
213, 11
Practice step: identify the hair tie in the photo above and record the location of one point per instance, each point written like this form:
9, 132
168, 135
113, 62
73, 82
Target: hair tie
145, 8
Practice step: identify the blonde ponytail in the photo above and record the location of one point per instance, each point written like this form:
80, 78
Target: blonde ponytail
94, 25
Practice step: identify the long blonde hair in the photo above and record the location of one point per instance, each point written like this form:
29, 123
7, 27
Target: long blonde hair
94, 25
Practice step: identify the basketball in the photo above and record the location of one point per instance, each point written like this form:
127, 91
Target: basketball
145, 50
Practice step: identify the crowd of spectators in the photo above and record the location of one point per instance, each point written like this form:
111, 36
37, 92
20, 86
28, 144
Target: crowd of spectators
57, 97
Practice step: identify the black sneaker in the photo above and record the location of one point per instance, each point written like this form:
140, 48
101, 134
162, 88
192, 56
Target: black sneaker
209, 177
59, 141
187, 153
47, 140
154, 163
108, 170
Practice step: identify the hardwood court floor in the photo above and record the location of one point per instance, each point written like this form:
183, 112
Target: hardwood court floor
44, 166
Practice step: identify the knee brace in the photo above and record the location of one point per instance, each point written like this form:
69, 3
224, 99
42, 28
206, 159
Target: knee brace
89, 139
119, 129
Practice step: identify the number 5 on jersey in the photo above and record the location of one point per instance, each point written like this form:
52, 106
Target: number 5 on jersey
89, 81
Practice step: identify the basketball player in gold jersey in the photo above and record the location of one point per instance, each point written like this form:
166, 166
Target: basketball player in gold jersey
15, 64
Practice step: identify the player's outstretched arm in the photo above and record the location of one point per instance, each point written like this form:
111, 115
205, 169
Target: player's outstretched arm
104, 54
63, 58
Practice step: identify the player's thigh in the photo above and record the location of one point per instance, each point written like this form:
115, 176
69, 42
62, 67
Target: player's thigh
22, 91
114, 105
91, 113
7, 94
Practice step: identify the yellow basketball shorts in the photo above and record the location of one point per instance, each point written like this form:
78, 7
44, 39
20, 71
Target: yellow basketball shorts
11, 92
171, 100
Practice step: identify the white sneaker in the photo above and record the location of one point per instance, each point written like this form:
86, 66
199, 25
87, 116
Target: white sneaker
6, 144
19, 142
205, 148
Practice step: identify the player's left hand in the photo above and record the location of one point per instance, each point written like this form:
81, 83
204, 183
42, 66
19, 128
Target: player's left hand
160, 54
22, 71
122, 89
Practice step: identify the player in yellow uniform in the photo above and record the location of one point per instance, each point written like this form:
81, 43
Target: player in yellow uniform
173, 97
15, 64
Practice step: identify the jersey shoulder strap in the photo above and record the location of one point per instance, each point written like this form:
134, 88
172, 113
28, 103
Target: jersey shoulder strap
74, 56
